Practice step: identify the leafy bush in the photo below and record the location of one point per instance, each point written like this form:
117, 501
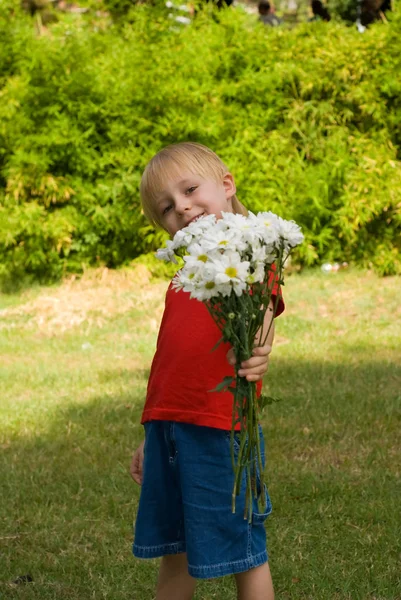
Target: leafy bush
157, 268
343, 9
15, 33
308, 120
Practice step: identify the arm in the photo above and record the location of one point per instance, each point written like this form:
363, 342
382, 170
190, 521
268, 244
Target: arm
136, 468
255, 367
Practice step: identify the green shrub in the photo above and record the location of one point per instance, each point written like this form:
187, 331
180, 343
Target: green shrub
15, 34
157, 268
343, 9
308, 121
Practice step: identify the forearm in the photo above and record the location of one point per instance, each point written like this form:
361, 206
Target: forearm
256, 366
270, 337
267, 329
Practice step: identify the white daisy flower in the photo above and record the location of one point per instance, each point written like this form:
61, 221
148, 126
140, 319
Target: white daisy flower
220, 240
268, 227
230, 269
206, 290
197, 254
244, 230
290, 233
232, 219
167, 254
258, 274
182, 238
176, 282
202, 224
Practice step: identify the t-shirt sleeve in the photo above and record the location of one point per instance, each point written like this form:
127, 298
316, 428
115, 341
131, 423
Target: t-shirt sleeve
277, 295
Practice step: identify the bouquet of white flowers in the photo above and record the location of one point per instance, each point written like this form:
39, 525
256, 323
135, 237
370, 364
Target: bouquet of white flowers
232, 264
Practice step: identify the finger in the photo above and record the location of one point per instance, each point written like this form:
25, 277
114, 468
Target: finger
255, 362
231, 356
134, 468
133, 472
254, 377
136, 471
249, 372
137, 478
262, 350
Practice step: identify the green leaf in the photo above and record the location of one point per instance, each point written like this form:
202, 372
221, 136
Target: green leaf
224, 385
266, 400
217, 345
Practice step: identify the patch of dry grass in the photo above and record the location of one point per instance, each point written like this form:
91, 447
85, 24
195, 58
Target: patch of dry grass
87, 302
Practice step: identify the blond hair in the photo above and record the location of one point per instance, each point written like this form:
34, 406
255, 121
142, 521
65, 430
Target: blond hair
174, 160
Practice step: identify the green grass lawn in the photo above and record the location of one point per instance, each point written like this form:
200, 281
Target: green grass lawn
74, 365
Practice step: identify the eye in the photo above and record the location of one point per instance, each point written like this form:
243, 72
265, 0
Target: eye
166, 209
191, 189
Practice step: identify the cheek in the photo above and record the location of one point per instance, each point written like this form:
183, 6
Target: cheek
169, 225
172, 228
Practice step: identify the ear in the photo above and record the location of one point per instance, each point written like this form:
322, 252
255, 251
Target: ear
229, 185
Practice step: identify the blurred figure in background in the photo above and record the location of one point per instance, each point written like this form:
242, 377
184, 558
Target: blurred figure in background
320, 12
266, 14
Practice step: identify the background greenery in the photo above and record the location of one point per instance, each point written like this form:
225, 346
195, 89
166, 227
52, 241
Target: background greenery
307, 119
74, 366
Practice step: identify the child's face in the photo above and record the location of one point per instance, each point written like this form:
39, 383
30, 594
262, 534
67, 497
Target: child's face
189, 196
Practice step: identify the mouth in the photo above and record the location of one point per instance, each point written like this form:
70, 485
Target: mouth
194, 219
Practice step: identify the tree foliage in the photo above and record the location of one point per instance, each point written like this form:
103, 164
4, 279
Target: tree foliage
308, 121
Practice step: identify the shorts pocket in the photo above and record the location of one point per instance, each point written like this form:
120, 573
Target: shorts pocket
258, 517
237, 439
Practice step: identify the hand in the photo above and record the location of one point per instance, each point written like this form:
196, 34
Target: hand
255, 367
136, 468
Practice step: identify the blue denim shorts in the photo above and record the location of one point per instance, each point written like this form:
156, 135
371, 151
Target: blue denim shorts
185, 502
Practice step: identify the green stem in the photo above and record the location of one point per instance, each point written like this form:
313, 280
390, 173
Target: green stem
248, 496
233, 421
279, 272
261, 470
241, 333
237, 475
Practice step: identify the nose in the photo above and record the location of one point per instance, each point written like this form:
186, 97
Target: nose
182, 204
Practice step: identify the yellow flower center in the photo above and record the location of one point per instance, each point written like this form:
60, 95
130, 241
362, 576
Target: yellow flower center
202, 257
231, 271
223, 243
210, 285
191, 275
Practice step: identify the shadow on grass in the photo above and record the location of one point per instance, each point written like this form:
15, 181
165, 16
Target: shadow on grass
333, 471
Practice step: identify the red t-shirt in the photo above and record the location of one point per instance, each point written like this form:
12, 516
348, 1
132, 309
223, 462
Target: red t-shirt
185, 369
